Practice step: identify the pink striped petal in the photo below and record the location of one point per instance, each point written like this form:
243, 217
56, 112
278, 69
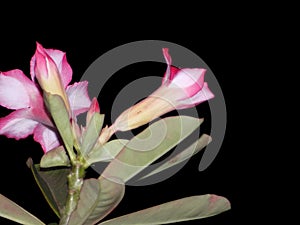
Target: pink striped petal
168, 59
60, 60
17, 124
47, 138
203, 95
190, 80
62, 64
167, 56
17, 91
78, 97
94, 108
40, 63
171, 70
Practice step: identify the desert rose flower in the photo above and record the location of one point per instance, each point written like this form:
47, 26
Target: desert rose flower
52, 71
180, 89
19, 93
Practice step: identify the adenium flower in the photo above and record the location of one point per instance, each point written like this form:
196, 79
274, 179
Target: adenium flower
180, 89
19, 93
53, 73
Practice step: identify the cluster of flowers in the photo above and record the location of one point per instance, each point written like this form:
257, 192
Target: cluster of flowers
51, 73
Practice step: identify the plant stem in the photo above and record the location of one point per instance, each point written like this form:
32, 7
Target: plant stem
75, 181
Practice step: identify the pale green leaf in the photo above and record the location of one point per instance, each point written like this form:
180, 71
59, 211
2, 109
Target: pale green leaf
190, 208
55, 157
149, 145
91, 133
53, 184
182, 156
14, 212
60, 115
107, 152
97, 199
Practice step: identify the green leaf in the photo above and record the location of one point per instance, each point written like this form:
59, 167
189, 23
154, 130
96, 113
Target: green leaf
190, 208
149, 145
193, 149
53, 184
14, 212
60, 115
92, 133
107, 152
55, 157
97, 199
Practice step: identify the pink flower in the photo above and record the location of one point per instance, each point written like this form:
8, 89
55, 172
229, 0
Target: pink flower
52, 73
19, 93
180, 89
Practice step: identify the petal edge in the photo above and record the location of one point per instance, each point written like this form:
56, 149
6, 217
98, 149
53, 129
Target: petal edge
17, 124
78, 97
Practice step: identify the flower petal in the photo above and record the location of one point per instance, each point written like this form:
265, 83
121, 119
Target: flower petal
190, 80
169, 62
48, 138
171, 70
17, 91
78, 97
59, 59
203, 95
17, 124
94, 108
62, 64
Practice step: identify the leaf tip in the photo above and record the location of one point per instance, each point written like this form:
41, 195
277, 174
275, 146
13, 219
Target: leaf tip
216, 200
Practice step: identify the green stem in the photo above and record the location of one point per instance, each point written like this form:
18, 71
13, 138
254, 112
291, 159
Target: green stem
75, 181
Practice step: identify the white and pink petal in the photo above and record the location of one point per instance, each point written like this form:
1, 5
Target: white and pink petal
59, 59
16, 90
94, 108
17, 124
171, 70
47, 137
62, 65
190, 80
78, 97
202, 96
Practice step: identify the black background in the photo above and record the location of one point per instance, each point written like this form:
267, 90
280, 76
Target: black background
229, 175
